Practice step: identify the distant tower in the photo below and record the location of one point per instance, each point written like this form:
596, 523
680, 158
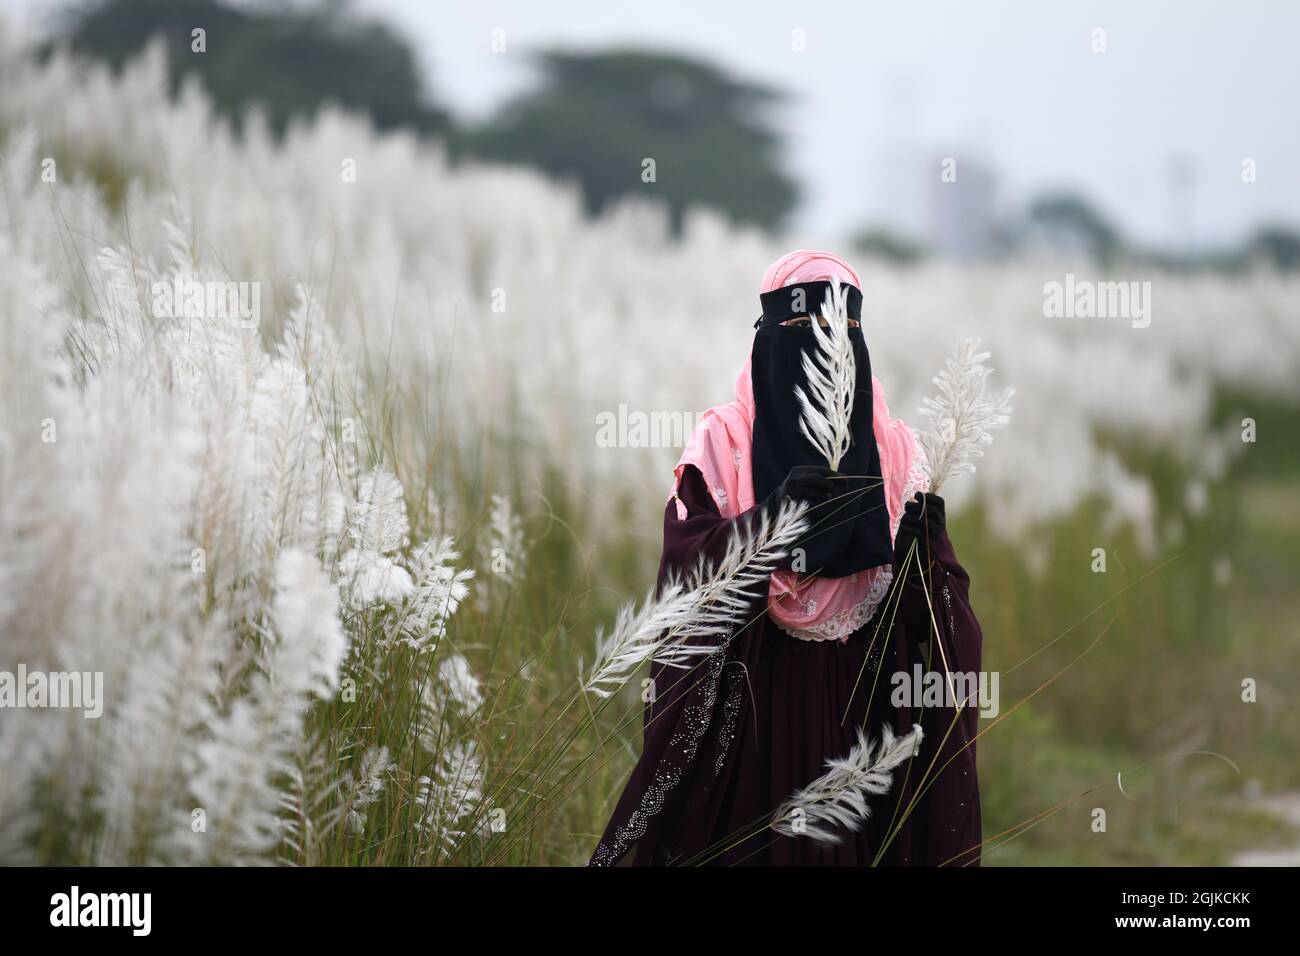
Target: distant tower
962, 213
1181, 178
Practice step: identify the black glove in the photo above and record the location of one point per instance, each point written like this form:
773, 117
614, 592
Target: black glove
922, 522
814, 485
810, 483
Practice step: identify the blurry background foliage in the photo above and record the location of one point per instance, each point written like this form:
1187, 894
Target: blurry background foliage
285, 60
590, 118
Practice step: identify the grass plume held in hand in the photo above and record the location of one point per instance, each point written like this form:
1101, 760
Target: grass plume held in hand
826, 409
837, 800
692, 617
963, 416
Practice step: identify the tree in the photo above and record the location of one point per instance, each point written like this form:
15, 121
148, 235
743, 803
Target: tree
1071, 222
289, 60
1275, 246
888, 246
598, 117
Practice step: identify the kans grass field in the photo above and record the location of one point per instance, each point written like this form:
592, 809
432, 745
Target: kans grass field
342, 562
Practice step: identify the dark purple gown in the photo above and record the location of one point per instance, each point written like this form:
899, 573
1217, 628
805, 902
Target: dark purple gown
728, 741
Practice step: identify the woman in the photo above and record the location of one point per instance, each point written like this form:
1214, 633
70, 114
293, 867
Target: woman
731, 739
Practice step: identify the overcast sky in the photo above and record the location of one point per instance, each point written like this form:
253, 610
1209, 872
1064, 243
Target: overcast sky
1182, 86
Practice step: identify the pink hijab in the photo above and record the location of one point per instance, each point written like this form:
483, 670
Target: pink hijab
809, 608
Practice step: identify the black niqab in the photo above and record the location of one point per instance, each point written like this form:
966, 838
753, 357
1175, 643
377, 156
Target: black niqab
851, 533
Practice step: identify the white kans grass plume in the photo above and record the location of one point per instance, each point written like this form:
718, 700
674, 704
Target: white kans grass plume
305, 614
438, 588
250, 746
377, 527
460, 682
365, 786
449, 703
827, 407
505, 540
309, 805
694, 616
503, 553
963, 416
838, 800
450, 801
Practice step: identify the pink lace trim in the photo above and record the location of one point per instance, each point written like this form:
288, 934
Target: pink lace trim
841, 625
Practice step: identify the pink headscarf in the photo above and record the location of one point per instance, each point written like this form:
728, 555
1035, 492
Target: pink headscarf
810, 608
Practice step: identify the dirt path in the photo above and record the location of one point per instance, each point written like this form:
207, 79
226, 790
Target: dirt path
1285, 806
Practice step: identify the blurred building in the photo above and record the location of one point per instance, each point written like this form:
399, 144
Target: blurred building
961, 207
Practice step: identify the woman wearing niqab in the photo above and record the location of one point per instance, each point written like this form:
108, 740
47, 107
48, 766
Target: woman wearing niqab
731, 738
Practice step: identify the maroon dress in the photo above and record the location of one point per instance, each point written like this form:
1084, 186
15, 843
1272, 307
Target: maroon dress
729, 740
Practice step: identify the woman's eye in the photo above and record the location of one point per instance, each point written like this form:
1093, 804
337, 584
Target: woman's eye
853, 323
